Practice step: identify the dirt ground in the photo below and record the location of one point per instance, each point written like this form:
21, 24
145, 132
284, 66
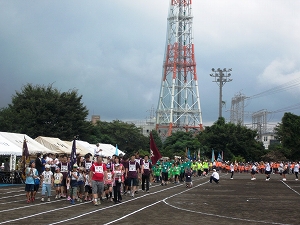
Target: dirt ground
237, 201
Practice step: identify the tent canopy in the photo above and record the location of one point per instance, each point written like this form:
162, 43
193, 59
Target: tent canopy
55, 144
8, 148
17, 139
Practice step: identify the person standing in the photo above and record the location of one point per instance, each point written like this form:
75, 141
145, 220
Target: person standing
31, 174
231, 170
267, 171
147, 169
97, 177
118, 173
64, 169
253, 171
131, 174
97, 150
38, 163
46, 182
296, 170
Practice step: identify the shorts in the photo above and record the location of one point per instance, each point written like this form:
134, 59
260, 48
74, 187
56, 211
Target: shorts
107, 186
285, 172
64, 182
36, 187
268, 172
57, 185
133, 182
88, 189
73, 191
253, 172
97, 187
29, 187
81, 189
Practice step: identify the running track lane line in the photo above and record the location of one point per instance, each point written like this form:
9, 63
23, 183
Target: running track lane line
226, 217
111, 222
291, 188
108, 207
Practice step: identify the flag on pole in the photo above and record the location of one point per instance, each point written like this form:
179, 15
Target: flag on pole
155, 154
117, 151
212, 155
73, 154
189, 154
194, 156
199, 154
25, 156
219, 158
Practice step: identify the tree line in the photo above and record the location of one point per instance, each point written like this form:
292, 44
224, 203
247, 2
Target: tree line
39, 110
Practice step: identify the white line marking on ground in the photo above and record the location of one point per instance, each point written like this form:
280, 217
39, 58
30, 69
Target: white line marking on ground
124, 202
291, 188
37, 214
215, 215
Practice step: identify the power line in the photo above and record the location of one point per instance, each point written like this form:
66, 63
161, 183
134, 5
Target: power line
286, 86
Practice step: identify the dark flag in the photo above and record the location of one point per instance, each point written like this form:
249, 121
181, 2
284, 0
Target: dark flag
25, 156
73, 154
155, 154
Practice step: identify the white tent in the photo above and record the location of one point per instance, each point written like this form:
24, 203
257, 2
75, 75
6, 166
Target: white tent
108, 149
80, 149
8, 148
17, 139
54, 144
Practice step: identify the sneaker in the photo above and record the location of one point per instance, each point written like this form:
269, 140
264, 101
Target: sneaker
56, 196
28, 201
231, 178
132, 195
33, 198
162, 184
119, 201
296, 179
42, 199
59, 196
69, 198
85, 199
284, 179
148, 191
252, 178
72, 201
80, 200
48, 199
136, 192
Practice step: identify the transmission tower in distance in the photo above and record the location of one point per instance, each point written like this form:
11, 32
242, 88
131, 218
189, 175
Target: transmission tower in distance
179, 101
237, 109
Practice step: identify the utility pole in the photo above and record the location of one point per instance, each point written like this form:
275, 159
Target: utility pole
221, 78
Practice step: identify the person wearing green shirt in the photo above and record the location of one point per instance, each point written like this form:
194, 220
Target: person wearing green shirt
194, 168
157, 173
200, 168
177, 173
205, 167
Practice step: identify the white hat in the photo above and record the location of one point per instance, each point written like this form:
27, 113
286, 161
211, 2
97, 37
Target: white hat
214, 170
47, 166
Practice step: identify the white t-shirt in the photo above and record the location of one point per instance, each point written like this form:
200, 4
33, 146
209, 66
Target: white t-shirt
231, 167
296, 168
215, 175
47, 175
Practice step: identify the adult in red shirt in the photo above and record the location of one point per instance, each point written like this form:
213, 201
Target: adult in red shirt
98, 175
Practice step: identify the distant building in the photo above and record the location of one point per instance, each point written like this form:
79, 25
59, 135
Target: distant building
95, 118
146, 125
268, 138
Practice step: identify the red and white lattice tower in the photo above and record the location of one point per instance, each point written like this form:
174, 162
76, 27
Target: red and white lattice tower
179, 101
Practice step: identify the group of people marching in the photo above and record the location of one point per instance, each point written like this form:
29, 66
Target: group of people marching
90, 179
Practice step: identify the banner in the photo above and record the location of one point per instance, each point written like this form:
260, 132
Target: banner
154, 153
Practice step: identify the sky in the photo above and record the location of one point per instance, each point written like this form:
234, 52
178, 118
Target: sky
112, 52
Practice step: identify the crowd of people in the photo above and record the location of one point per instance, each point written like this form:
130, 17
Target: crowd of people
94, 178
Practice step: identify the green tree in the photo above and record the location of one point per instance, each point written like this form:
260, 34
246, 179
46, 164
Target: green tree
178, 142
127, 136
233, 140
288, 132
45, 111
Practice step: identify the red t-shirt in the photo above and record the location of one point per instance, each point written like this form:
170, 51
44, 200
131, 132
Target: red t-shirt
98, 171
